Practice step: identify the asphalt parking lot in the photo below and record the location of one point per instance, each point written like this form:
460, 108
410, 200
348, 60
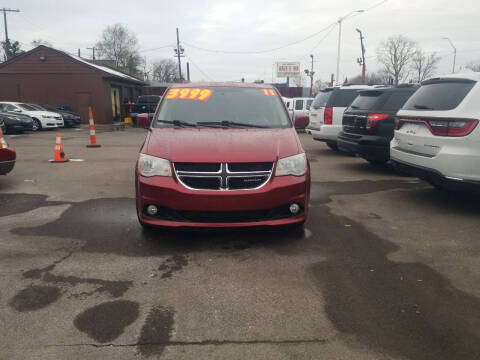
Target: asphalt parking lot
386, 268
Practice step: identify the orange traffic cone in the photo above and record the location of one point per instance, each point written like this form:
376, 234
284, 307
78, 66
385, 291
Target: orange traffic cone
93, 137
59, 155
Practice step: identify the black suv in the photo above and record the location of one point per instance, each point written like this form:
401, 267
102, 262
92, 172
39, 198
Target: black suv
369, 122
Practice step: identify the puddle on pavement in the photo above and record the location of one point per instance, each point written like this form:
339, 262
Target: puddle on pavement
156, 331
35, 298
107, 321
11, 204
172, 265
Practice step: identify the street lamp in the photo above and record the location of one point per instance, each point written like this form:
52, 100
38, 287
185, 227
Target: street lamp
339, 21
454, 52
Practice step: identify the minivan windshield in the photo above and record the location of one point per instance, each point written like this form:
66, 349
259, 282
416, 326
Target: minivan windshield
222, 106
439, 94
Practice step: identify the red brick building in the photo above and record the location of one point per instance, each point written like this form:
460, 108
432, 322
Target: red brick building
49, 76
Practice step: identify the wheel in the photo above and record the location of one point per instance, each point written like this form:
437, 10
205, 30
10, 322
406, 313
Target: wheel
332, 146
36, 125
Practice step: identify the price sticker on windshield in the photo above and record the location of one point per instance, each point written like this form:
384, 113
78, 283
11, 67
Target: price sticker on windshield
269, 92
189, 94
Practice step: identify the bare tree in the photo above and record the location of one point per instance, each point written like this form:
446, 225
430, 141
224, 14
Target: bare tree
164, 70
119, 44
395, 54
474, 66
38, 42
423, 65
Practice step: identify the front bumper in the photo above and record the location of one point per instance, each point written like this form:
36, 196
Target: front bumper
69, 122
369, 147
182, 207
327, 133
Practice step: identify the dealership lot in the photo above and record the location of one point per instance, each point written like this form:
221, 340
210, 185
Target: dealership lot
386, 268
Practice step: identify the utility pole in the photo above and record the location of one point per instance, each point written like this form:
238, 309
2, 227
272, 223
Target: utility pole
7, 41
310, 73
179, 54
339, 21
454, 52
188, 71
93, 52
361, 61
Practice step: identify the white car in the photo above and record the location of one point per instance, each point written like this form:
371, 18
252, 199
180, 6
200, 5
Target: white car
41, 119
438, 136
326, 120
298, 106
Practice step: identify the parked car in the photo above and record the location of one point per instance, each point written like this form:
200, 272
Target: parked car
317, 109
330, 116
437, 136
14, 122
70, 119
41, 119
369, 122
298, 106
3, 128
222, 155
146, 104
7, 157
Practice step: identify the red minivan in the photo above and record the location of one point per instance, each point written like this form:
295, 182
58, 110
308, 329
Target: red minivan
7, 156
222, 155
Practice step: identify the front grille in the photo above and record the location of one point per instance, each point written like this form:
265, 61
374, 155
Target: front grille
197, 167
205, 183
223, 176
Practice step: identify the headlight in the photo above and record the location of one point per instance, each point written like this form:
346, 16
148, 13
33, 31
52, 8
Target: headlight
46, 116
295, 165
153, 166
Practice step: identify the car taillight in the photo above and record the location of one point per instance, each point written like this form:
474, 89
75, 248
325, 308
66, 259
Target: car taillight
328, 116
373, 119
443, 127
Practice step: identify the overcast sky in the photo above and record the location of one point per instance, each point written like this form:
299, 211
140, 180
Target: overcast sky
253, 26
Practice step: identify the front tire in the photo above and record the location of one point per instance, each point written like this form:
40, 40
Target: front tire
37, 126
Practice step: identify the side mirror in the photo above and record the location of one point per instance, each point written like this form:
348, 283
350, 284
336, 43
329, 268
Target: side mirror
143, 121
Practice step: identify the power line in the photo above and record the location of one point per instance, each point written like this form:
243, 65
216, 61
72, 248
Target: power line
320, 42
260, 51
200, 70
157, 48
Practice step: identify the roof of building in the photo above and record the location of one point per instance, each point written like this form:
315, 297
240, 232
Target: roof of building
105, 69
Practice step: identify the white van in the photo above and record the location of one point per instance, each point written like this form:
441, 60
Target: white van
299, 105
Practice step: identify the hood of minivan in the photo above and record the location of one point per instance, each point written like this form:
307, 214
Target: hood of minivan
221, 145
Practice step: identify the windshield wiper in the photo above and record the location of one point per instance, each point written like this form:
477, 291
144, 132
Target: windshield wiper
178, 123
228, 123
422, 107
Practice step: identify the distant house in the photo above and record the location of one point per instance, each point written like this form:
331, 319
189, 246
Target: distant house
48, 76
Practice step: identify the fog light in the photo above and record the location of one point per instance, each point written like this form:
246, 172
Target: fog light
294, 208
152, 210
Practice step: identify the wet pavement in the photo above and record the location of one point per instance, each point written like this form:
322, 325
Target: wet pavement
386, 267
